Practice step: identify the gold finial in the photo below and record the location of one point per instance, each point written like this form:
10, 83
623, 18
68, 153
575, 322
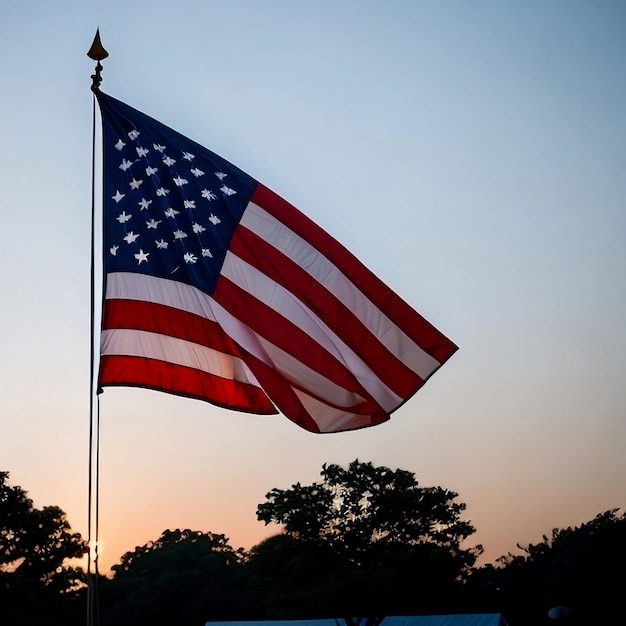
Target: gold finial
97, 51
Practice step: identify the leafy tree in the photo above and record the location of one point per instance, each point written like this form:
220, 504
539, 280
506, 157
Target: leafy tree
186, 542
365, 539
359, 510
34, 547
291, 579
184, 577
581, 568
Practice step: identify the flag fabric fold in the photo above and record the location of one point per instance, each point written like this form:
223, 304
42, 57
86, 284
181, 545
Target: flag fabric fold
216, 288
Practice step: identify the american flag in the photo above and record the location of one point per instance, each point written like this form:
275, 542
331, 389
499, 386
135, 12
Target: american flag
216, 288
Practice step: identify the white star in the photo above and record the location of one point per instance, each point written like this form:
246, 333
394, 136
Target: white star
113, 250
153, 223
206, 252
214, 219
197, 228
170, 212
131, 237
179, 234
168, 161
141, 256
227, 191
190, 258
118, 196
133, 134
119, 145
208, 194
161, 244
190, 204
197, 172
123, 217
158, 147
161, 191
221, 175
188, 156
142, 151
151, 170
180, 181
144, 204
135, 184
125, 164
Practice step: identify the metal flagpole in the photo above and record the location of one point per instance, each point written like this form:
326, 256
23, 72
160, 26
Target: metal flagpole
97, 53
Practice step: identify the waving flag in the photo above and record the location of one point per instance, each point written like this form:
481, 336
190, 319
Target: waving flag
218, 289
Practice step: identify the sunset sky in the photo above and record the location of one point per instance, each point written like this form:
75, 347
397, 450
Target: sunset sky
471, 154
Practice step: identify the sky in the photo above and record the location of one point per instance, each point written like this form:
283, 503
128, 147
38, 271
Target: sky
471, 154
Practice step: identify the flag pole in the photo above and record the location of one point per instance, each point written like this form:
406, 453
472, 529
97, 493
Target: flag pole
97, 53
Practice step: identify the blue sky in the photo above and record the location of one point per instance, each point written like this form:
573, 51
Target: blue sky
473, 155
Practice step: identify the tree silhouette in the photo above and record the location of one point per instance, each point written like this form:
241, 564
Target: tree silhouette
34, 547
362, 509
581, 568
365, 540
184, 577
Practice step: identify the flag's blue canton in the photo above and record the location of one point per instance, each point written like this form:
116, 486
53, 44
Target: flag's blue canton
170, 205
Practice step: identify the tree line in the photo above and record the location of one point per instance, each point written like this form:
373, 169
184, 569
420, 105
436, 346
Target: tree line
364, 541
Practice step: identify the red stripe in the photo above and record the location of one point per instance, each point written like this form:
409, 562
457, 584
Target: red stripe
165, 320
282, 394
184, 381
395, 374
289, 404
282, 333
412, 323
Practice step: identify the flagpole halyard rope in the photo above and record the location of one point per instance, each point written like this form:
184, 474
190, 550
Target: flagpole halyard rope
90, 487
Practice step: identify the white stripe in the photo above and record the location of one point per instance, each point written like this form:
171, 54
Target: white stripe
298, 373
286, 304
141, 343
326, 273
328, 418
132, 286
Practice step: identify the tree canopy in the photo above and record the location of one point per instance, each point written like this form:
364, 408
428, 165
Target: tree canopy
361, 509
35, 545
183, 577
581, 568
365, 540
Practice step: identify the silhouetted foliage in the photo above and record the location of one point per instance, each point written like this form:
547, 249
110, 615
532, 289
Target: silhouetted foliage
363, 509
581, 568
290, 578
184, 577
35, 581
365, 540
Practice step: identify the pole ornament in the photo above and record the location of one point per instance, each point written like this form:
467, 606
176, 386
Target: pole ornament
97, 53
